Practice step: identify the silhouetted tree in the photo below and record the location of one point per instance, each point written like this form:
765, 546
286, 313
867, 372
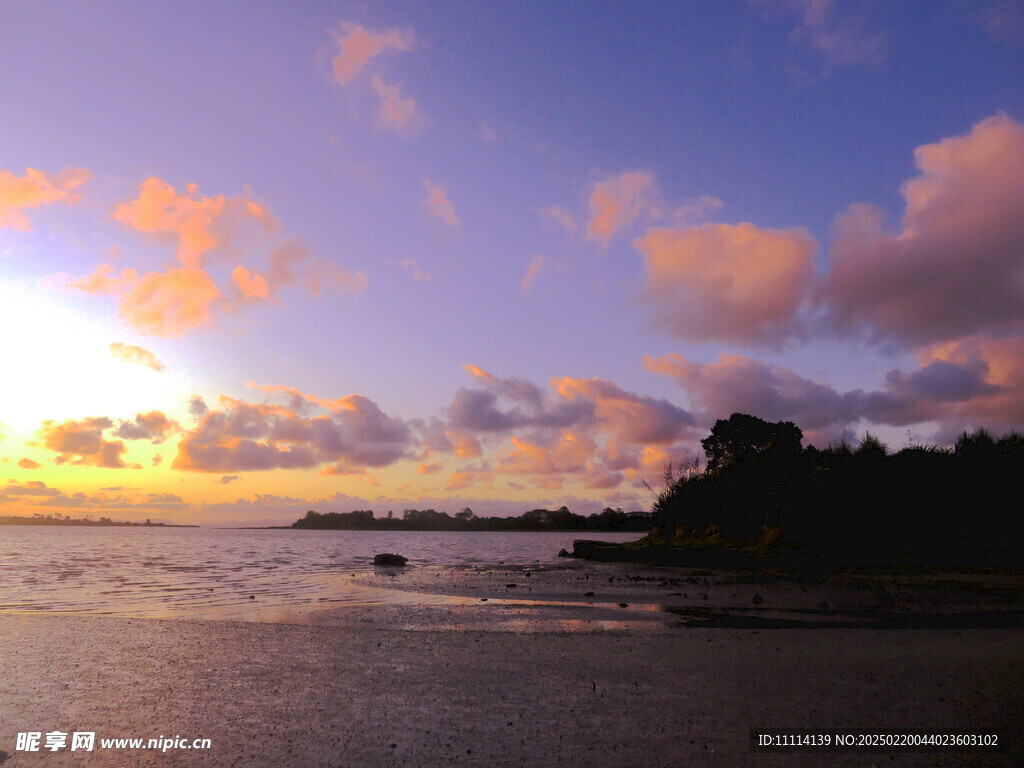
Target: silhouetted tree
747, 440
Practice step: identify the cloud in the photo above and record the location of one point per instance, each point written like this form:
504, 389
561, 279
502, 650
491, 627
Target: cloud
129, 353
197, 225
81, 442
395, 112
153, 426
34, 189
357, 46
169, 303
585, 430
536, 263
197, 407
560, 216
630, 417
962, 384
569, 453
184, 298
105, 281
617, 202
414, 268
250, 284
696, 211
327, 274
31, 488
740, 384
27, 463
956, 266
429, 469
291, 262
735, 283
958, 385
841, 38
247, 436
480, 410
438, 205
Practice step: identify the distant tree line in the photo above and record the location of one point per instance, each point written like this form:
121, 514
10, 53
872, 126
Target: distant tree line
431, 520
857, 499
56, 518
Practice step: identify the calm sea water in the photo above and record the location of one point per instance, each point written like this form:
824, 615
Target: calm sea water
172, 571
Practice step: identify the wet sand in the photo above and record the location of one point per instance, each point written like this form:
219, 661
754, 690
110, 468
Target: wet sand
538, 674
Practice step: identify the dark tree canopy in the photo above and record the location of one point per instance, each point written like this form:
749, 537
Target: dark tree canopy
744, 439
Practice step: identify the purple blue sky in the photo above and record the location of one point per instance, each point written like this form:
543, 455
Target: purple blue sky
257, 258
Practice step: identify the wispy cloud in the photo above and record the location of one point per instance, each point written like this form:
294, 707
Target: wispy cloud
536, 264
836, 33
438, 205
130, 353
618, 201
34, 189
357, 46
395, 112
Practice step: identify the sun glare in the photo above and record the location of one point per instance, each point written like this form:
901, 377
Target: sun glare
58, 365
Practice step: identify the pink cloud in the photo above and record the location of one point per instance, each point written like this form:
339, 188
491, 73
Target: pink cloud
184, 298
414, 268
130, 353
250, 284
630, 417
245, 436
560, 216
196, 224
324, 275
536, 264
394, 112
81, 442
358, 46
962, 384
291, 261
587, 430
27, 463
105, 280
569, 453
617, 202
740, 384
438, 205
169, 303
956, 266
34, 189
736, 283
842, 39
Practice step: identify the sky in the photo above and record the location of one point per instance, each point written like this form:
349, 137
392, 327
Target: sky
258, 258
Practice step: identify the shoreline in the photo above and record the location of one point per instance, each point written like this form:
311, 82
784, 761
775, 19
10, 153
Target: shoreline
536, 674
279, 694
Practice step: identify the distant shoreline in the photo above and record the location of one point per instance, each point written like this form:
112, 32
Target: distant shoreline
19, 520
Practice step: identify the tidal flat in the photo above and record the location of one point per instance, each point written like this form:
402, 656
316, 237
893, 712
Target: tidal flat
518, 665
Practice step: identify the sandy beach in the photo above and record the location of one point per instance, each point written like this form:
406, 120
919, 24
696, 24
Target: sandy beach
537, 674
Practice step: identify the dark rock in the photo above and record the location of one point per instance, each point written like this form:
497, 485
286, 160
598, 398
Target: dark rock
758, 599
588, 594
386, 558
564, 553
